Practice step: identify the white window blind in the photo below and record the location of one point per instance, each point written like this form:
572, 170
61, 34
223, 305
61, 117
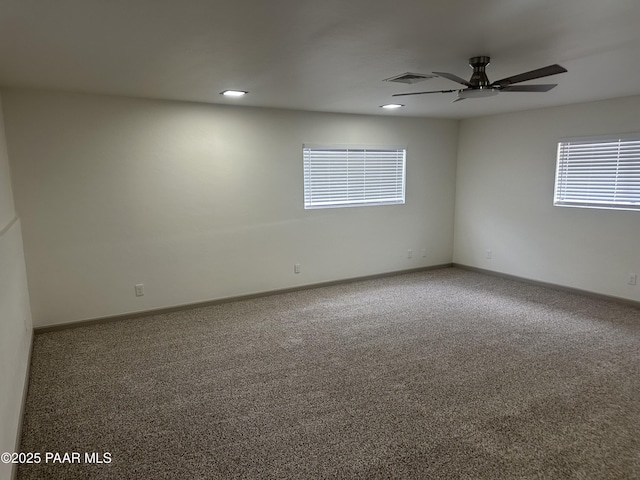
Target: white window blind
348, 177
599, 172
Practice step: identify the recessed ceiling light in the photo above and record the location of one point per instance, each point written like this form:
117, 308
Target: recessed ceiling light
233, 93
391, 106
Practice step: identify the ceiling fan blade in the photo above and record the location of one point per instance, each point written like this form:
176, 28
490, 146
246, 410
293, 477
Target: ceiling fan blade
523, 77
529, 88
422, 93
453, 77
459, 99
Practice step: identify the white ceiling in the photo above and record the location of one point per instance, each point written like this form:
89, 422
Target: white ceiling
321, 55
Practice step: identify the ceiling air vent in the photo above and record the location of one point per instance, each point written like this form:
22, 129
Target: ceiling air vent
409, 78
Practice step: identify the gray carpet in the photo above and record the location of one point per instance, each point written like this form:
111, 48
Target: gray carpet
447, 374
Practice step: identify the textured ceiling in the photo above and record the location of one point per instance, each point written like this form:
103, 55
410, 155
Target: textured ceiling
329, 55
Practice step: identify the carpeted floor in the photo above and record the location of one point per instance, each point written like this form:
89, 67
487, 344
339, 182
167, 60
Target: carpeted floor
447, 374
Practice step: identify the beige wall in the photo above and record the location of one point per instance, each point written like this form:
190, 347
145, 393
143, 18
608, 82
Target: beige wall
201, 202
504, 201
15, 316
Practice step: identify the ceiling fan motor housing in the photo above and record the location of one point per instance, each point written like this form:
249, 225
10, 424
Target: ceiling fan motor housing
479, 78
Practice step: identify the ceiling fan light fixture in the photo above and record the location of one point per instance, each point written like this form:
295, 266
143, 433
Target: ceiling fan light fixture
391, 106
233, 93
478, 92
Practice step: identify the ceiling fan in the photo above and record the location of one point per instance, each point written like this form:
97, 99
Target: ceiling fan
479, 86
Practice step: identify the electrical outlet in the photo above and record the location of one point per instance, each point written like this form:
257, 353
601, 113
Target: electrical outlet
489, 254
424, 253
296, 268
139, 290
633, 279
409, 253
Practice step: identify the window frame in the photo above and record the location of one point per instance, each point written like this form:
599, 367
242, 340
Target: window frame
582, 182
340, 201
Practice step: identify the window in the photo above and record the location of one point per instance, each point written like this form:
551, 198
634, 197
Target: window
353, 176
599, 172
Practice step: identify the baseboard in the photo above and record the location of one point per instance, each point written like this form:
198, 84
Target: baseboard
8, 226
23, 406
208, 303
555, 286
